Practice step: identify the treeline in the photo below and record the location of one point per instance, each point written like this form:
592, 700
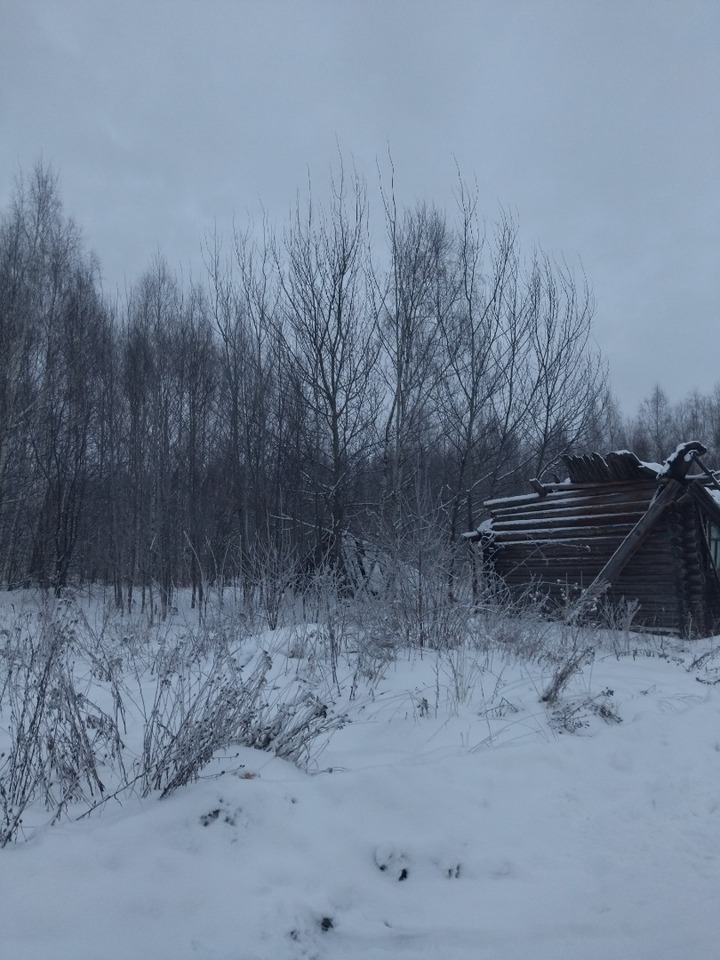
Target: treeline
310, 402
659, 425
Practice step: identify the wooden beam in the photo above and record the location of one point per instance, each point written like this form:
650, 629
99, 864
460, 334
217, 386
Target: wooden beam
639, 532
580, 497
678, 463
706, 502
629, 546
540, 489
708, 473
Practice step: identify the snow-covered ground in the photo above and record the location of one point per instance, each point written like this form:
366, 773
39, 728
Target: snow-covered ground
454, 816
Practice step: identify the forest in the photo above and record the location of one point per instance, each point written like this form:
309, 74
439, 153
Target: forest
332, 397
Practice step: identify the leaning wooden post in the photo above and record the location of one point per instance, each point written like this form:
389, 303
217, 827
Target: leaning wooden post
612, 569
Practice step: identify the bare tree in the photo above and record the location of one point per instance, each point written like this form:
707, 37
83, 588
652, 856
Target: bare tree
253, 411
67, 410
51, 319
153, 314
23, 233
194, 365
331, 348
484, 340
653, 433
412, 306
565, 385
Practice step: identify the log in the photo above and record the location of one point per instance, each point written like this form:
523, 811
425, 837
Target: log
605, 493
564, 522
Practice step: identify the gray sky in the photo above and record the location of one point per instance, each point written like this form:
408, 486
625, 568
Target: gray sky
595, 122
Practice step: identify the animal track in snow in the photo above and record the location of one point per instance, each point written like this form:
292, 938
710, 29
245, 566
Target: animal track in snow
400, 865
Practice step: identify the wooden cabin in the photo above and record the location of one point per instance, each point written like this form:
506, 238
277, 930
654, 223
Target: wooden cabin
619, 528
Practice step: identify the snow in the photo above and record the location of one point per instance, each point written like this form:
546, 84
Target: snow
484, 529
684, 451
453, 817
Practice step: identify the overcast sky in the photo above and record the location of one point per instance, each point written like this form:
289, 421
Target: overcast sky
595, 122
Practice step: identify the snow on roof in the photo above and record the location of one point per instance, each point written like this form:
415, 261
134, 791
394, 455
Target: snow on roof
683, 453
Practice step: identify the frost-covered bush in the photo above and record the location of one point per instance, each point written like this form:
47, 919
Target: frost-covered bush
89, 712
56, 738
207, 708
